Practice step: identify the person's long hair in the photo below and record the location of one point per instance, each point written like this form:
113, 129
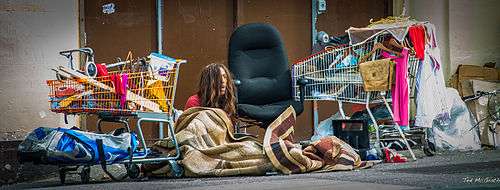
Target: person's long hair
209, 89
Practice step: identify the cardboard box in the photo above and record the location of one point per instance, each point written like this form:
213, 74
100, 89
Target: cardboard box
461, 79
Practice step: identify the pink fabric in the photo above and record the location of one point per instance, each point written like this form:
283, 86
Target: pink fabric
123, 96
400, 93
120, 83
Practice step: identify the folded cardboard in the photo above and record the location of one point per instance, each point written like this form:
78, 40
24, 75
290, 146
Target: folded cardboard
460, 80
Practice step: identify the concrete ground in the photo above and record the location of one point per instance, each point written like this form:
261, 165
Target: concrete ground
448, 170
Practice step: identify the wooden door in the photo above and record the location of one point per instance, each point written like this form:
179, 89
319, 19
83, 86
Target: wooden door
199, 31
340, 15
112, 29
293, 21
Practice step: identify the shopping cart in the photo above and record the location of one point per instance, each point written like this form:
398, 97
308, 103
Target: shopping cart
147, 95
333, 74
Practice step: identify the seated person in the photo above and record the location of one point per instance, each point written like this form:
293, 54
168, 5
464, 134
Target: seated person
215, 90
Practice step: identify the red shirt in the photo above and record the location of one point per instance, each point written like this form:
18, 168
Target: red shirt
193, 101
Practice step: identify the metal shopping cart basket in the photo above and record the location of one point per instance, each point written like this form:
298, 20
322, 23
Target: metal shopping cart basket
147, 95
333, 74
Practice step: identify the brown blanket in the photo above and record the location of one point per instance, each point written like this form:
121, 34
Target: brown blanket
326, 154
208, 147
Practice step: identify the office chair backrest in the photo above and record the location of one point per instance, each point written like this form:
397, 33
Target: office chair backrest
258, 59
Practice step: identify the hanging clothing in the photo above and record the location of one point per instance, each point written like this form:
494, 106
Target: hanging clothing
417, 36
102, 70
123, 97
432, 43
400, 90
431, 91
120, 84
431, 96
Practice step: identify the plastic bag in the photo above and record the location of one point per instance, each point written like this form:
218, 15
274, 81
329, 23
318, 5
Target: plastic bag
61, 146
325, 128
458, 133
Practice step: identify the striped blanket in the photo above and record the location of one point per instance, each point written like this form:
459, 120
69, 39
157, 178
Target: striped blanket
326, 154
208, 148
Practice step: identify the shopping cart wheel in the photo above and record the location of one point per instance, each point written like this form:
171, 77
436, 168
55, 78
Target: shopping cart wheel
133, 171
176, 169
429, 149
85, 174
62, 175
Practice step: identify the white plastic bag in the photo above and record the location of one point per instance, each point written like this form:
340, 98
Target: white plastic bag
325, 128
458, 134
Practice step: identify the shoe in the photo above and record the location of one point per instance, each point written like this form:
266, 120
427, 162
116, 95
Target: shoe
392, 156
398, 158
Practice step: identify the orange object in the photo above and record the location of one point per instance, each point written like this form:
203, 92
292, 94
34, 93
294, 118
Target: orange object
102, 97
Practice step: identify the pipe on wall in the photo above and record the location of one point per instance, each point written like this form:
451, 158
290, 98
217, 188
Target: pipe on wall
159, 28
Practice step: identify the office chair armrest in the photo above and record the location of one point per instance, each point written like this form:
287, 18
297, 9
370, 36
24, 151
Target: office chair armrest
302, 82
237, 83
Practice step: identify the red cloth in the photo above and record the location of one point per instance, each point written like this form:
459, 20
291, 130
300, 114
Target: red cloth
120, 84
101, 70
65, 91
417, 36
193, 101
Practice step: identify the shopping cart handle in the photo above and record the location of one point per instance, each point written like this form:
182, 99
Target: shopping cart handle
86, 50
302, 82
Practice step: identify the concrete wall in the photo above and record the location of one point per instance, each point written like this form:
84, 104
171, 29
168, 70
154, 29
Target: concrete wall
31, 35
436, 12
474, 32
468, 31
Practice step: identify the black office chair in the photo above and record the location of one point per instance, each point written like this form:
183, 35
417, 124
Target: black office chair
259, 64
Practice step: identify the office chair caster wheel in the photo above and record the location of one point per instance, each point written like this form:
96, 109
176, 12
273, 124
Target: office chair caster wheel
85, 174
62, 175
429, 149
133, 171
